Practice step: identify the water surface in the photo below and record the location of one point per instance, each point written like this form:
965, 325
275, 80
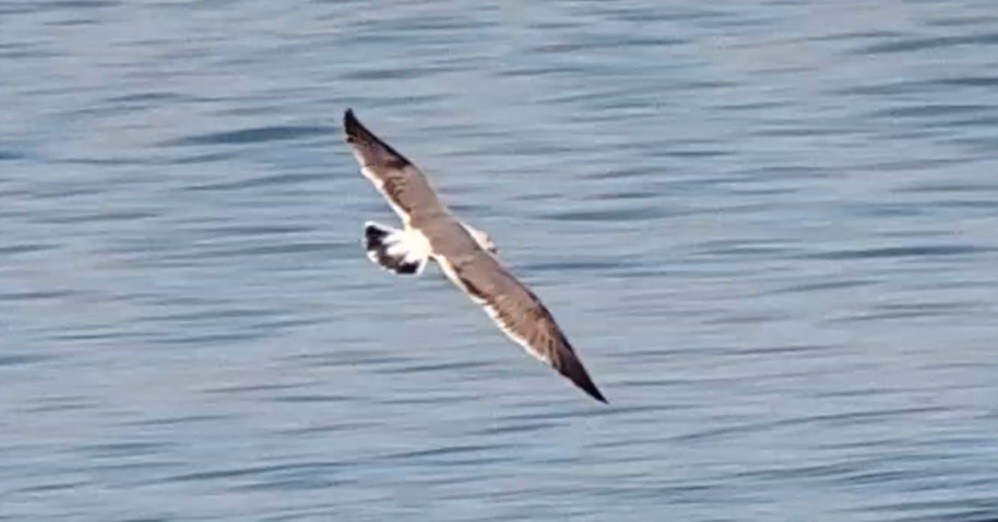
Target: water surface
771, 231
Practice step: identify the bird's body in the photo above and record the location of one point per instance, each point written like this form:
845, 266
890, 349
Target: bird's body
465, 255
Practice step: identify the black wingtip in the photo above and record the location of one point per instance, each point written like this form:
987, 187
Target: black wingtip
572, 368
350, 123
593, 392
376, 151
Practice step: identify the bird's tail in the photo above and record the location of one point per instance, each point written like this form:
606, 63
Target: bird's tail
398, 251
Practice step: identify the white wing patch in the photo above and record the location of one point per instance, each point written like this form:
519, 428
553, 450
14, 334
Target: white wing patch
400, 251
483, 239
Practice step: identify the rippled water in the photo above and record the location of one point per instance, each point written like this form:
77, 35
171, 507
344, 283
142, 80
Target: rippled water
771, 231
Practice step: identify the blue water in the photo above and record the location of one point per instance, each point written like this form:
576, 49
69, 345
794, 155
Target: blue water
771, 230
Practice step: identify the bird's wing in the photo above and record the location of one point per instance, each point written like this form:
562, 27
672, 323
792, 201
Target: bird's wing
402, 184
519, 313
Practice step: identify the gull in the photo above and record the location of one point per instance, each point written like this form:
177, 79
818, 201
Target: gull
466, 255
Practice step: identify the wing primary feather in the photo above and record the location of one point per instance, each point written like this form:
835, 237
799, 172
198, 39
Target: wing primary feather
358, 134
521, 316
569, 365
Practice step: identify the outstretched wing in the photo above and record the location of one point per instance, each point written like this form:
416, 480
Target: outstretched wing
403, 185
520, 314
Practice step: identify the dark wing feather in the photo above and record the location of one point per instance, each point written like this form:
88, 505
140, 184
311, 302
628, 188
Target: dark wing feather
402, 184
521, 315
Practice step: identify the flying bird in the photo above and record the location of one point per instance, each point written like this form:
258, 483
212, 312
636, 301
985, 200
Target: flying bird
466, 255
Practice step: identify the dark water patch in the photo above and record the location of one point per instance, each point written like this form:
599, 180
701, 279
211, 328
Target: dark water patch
74, 5
590, 411
265, 473
849, 418
145, 97
884, 88
275, 180
930, 110
910, 311
181, 420
796, 130
754, 318
22, 359
208, 338
346, 358
875, 34
444, 453
742, 248
254, 230
123, 449
100, 217
49, 487
957, 515
9, 155
260, 250
868, 391
906, 164
899, 252
273, 326
434, 23
108, 161
311, 397
429, 399
402, 72
296, 483
35, 295
250, 388
988, 122
967, 204
514, 428
960, 20
213, 157
689, 153
950, 187
620, 173
749, 106
65, 404
253, 135
976, 144
984, 507
783, 350
644, 383
628, 213
912, 44
822, 286
433, 368
29, 6
576, 265
106, 334
545, 70
11, 250
661, 13
804, 471
618, 41
213, 313
625, 195
345, 426
987, 82
67, 190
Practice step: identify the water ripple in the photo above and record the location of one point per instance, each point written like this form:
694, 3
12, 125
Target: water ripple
253, 135
770, 231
